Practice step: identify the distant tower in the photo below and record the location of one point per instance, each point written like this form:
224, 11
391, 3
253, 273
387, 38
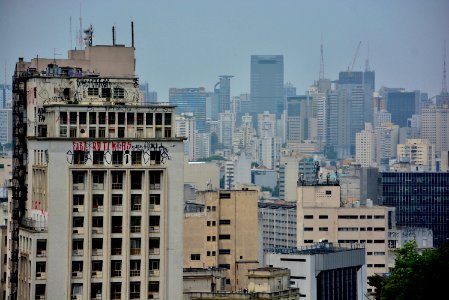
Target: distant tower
222, 91
321, 60
443, 97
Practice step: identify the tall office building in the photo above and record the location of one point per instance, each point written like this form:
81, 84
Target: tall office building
222, 91
402, 105
350, 106
365, 150
267, 84
148, 96
226, 127
191, 100
297, 119
435, 127
317, 120
417, 152
186, 127
421, 200
5, 95
97, 182
5, 126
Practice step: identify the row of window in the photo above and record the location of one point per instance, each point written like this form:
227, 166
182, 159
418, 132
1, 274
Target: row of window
352, 241
347, 217
117, 179
112, 118
116, 200
116, 246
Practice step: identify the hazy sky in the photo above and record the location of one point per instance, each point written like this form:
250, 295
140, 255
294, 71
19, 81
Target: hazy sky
189, 43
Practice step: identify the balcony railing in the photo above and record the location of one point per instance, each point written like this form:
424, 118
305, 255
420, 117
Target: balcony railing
134, 272
155, 251
155, 229
116, 251
135, 251
97, 251
77, 252
77, 274
116, 273
135, 229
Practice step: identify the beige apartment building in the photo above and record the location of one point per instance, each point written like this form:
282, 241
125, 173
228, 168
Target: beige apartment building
225, 235
322, 217
418, 152
97, 189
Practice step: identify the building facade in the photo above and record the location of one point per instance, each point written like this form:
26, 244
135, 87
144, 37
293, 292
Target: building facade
421, 200
190, 100
267, 84
103, 180
225, 235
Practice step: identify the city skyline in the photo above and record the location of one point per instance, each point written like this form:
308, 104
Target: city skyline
188, 45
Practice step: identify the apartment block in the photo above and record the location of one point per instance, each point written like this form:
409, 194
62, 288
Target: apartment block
225, 235
322, 217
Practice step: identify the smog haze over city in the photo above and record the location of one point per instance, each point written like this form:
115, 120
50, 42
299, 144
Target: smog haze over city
189, 43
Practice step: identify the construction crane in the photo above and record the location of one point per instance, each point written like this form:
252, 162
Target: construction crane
355, 57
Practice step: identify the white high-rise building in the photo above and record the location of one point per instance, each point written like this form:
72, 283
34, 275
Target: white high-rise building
5, 126
435, 127
97, 189
266, 125
226, 126
418, 152
186, 127
365, 148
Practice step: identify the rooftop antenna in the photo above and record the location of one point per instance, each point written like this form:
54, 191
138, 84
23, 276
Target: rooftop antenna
355, 58
70, 33
113, 35
367, 67
54, 55
80, 40
444, 83
321, 60
132, 34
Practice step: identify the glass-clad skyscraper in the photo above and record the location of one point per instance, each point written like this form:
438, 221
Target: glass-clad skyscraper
267, 83
190, 100
421, 200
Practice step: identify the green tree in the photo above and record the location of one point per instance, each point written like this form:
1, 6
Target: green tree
415, 275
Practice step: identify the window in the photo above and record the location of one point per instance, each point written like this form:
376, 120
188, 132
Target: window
323, 217
97, 177
117, 200
73, 132
379, 217
117, 157
153, 264
155, 157
136, 202
225, 196
149, 120
136, 180
136, 157
153, 286
195, 256
98, 157
224, 237
308, 216
224, 251
78, 222
379, 241
116, 246
117, 180
97, 222
63, 117
211, 238
73, 118
308, 241
328, 193
97, 202
139, 118
130, 118
79, 157
158, 119
101, 132
116, 268
134, 266
78, 200
168, 119
225, 266
155, 221
379, 229
106, 93
111, 118
116, 223
348, 217
97, 265
308, 228
134, 289
92, 91
83, 118
135, 224
155, 199
92, 132
92, 117
323, 229
135, 246
121, 118
119, 92
155, 180
102, 118
225, 222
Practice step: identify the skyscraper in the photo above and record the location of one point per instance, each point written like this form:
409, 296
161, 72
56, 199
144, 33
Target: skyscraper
402, 105
222, 92
190, 100
435, 127
297, 119
350, 106
96, 177
267, 84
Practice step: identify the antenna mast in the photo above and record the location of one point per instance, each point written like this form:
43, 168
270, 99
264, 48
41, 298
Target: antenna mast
321, 60
80, 40
444, 83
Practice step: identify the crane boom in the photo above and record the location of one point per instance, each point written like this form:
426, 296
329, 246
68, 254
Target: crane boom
355, 56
